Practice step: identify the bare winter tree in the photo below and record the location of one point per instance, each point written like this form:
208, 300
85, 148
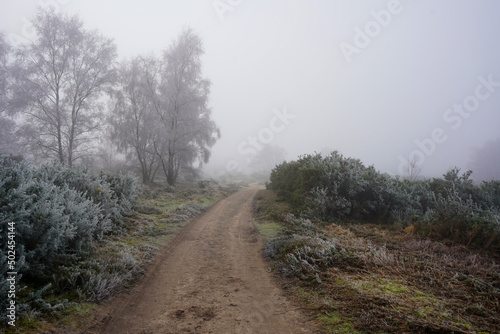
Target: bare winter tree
267, 158
59, 80
133, 120
180, 99
412, 170
7, 125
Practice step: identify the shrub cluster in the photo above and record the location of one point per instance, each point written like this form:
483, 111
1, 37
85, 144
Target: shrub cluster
59, 214
185, 212
303, 250
336, 188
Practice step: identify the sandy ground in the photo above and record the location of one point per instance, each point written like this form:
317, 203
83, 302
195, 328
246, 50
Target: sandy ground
210, 279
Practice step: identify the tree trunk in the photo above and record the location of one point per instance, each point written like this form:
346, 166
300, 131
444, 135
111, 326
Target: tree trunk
59, 135
171, 177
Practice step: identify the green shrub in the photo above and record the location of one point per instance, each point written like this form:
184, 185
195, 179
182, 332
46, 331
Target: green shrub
292, 181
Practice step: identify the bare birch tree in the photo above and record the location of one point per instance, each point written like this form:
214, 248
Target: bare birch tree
134, 123
160, 114
179, 96
185, 114
59, 80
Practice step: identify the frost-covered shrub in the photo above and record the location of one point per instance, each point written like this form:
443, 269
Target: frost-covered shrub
59, 214
297, 254
302, 249
123, 188
464, 220
336, 188
186, 212
349, 189
295, 227
411, 200
99, 276
453, 206
311, 254
106, 277
115, 194
490, 193
53, 224
61, 225
462, 185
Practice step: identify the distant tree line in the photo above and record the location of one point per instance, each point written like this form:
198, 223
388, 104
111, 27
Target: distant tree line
64, 94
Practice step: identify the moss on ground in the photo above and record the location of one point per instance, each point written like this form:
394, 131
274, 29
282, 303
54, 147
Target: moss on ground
336, 324
269, 229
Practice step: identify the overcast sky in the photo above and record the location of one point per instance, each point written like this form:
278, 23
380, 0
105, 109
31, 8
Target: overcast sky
376, 80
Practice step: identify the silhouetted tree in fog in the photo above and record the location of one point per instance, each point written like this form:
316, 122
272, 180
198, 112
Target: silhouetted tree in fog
134, 122
486, 162
59, 80
180, 99
267, 158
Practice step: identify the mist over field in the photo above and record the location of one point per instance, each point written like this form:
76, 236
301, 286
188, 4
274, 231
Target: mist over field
387, 82
235, 166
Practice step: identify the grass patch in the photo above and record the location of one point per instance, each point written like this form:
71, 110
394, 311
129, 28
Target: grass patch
271, 214
269, 229
76, 312
267, 207
336, 325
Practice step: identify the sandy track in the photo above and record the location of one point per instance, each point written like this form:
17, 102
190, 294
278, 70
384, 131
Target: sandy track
211, 279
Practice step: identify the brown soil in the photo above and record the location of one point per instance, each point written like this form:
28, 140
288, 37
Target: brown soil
210, 279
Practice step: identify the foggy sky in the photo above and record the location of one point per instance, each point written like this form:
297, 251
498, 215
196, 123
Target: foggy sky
379, 100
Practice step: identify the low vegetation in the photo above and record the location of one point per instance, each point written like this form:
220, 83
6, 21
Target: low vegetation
368, 253
83, 237
339, 189
372, 278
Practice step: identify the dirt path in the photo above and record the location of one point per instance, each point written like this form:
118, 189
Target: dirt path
212, 279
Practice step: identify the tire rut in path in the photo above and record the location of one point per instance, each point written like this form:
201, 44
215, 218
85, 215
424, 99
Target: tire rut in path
212, 279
